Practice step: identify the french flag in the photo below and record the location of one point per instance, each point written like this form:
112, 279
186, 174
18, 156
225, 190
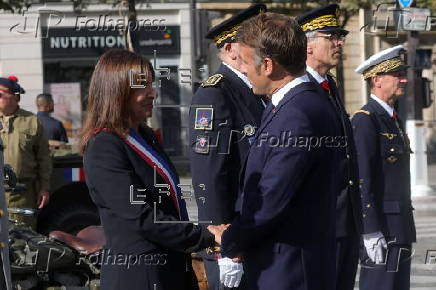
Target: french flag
74, 174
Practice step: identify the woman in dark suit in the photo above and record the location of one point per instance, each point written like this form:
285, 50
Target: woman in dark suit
133, 182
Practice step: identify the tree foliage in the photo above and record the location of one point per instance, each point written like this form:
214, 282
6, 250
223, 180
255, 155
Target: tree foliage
427, 4
348, 7
14, 5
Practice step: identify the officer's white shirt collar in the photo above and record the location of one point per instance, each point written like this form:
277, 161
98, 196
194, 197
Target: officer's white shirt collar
278, 96
240, 75
385, 105
315, 74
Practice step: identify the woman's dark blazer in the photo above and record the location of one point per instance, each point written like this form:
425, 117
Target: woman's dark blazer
141, 250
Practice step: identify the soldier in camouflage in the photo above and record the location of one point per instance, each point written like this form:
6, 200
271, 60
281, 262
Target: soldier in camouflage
25, 149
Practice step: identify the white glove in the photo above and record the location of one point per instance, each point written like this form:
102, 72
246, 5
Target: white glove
374, 244
230, 272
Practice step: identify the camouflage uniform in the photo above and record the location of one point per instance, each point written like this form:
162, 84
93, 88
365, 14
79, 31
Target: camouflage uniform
26, 150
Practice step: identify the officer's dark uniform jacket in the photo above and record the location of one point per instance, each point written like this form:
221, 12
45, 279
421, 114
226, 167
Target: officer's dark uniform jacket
384, 160
111, 167
349, 204
215, 166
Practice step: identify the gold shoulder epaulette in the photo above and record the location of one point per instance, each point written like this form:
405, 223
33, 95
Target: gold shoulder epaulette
362, 111
331, 75
212, 80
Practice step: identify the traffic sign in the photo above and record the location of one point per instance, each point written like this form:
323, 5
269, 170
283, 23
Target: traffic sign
416, 19
405, 3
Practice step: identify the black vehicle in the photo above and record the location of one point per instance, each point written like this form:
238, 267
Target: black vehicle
70, 208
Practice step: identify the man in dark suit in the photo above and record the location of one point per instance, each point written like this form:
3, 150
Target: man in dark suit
384, 168
325, 40
54, 129
286, 230
224, 117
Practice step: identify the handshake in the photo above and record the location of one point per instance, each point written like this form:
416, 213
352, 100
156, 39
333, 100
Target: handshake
218, 231
231, 270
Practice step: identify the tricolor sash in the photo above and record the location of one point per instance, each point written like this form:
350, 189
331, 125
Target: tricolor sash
152, 158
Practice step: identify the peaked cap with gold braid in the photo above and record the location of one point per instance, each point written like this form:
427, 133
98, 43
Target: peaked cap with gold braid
324, 18
226, 30
388, 60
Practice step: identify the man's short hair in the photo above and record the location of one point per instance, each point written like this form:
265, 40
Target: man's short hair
278, 37
370, 83
310, 35
45, 96
43, 99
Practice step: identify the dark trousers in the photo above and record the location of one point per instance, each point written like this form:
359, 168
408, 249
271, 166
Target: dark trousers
393, 275
347, 259
2, 275
168, 271
213, 275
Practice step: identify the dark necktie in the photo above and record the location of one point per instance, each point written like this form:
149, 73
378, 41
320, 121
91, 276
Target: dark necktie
397, 124
265, 100
326, 86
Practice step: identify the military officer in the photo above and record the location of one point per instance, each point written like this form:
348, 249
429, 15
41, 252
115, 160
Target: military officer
383, 158
325, 41
25, 149
5, 275
224, 117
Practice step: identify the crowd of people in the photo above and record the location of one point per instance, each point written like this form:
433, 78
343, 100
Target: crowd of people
301, 218
283, 215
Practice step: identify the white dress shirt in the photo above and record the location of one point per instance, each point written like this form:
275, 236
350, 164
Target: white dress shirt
240, 75
278, 96
243, 78
385, 105
315, 74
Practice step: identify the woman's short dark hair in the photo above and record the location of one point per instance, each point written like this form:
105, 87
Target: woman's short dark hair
278, 37
110, 89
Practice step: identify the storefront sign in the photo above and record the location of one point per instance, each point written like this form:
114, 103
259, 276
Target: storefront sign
68, 42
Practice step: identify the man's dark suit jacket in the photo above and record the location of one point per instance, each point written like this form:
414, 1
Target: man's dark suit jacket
286, 231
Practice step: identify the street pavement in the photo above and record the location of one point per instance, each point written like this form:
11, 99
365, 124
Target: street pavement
424, 251
424, 258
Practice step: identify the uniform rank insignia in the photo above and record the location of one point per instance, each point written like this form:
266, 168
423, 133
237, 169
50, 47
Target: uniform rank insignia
212, 80
362, 111
203, 119
390, 136
202, 144
392, 159
249, 130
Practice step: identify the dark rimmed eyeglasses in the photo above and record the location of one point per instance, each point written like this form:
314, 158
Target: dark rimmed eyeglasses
332, 36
